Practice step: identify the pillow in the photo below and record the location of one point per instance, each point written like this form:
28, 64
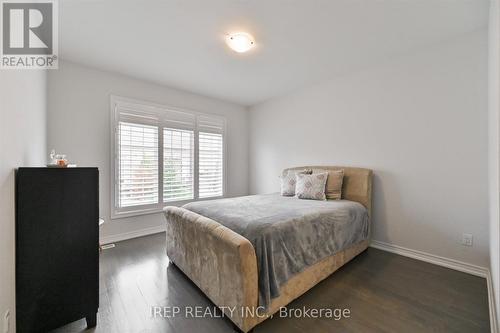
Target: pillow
311, 186
334, 184
288, 181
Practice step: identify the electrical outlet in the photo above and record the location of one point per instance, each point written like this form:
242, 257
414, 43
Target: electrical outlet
467, 239
6, 322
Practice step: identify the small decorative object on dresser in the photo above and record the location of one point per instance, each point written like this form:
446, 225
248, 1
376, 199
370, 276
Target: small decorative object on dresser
58, 161
57, 247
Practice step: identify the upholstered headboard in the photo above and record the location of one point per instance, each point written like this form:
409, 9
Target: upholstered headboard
357, 185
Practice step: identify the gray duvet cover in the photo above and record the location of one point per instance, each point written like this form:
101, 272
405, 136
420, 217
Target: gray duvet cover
288, 234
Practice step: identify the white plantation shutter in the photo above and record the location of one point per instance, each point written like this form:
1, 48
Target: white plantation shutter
178, 164
211, 124
164, 155
137, 164
178, 120
211, 156
210, 165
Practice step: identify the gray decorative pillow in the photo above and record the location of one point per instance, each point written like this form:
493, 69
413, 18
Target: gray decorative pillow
311, 186
288, 181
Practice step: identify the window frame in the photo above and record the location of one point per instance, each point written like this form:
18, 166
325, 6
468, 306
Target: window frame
157, 110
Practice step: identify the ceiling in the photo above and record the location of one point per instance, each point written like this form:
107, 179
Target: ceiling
180, 43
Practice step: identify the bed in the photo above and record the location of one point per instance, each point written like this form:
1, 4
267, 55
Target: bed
252, 255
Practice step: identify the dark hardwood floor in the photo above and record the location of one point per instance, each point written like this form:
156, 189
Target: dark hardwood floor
384, 292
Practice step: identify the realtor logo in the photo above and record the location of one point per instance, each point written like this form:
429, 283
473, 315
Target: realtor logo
29, 34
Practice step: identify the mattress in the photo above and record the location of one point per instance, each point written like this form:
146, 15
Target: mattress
287, 233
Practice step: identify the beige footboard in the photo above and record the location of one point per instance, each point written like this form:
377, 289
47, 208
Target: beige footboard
223, 265
219, 261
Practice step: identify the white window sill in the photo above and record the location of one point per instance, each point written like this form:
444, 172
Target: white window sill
116, 215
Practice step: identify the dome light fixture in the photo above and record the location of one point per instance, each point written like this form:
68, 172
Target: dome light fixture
240, 41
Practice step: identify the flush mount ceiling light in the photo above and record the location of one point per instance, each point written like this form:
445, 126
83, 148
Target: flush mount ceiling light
240, 41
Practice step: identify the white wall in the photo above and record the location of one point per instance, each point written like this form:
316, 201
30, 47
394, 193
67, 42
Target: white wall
79, 125
419, 121
494, 145
22, 143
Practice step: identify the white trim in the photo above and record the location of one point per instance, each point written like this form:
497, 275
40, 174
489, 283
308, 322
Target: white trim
224, 159
131, 234
431, 258
196, 166
161, 149
448, 263
491, 301
158, 208
113, 162
139, 212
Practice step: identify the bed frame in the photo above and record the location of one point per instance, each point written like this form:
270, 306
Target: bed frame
223, 265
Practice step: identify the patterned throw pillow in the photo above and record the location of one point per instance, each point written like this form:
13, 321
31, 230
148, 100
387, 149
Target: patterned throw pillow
288, 181
311, 186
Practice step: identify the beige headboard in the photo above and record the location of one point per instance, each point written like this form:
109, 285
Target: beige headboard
357, 185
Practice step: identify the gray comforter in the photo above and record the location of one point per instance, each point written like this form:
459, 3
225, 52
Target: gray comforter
288, 234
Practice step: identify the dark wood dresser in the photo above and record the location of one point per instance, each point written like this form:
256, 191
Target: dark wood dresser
57, 247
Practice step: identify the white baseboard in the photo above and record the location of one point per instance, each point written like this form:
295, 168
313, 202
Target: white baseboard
492, 306
449, 263
431, 258
131, 234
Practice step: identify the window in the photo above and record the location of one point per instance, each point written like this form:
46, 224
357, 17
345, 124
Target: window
210, 147
178, 165
163, 156
138, 164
